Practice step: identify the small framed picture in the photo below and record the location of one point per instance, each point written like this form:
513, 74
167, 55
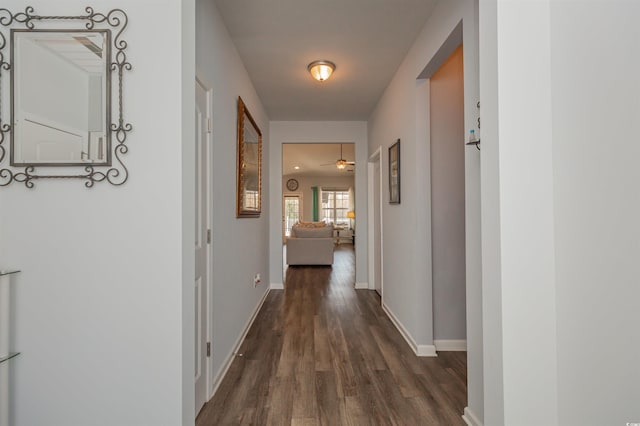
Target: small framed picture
394, 173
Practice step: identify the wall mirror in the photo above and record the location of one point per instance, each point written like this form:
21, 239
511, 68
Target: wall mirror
60, 98
249, 179
64, 83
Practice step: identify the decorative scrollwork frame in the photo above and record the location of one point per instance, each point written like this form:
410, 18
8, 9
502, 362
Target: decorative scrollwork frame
116, 174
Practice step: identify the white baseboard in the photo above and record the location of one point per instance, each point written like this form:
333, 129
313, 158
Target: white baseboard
419, 350
276, 286
362, 286
230, 357
426, 350
451, 345
470, 418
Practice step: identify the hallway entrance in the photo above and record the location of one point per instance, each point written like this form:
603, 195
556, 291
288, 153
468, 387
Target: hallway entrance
447, 179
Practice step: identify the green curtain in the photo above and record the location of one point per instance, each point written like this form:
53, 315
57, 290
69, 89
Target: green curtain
314, 191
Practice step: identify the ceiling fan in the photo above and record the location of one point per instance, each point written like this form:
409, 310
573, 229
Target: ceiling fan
341, 163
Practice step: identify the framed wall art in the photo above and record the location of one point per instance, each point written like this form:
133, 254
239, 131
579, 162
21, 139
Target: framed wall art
394, 173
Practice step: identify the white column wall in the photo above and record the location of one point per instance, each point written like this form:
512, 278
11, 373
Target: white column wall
103, 298
473, 256
493, 391
188, 145
526, 379
596, 88
559, 92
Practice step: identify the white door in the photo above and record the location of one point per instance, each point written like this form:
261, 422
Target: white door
377, 246
202, 242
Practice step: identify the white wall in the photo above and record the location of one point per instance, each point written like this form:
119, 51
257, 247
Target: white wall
307, 182
447, 199
317, 132
525, 369
240, 246
45, 77
100, 304
403, 113
188, 98
595, 82
561, 310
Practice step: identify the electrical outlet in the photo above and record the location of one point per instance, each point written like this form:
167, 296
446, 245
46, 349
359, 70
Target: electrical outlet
256, 280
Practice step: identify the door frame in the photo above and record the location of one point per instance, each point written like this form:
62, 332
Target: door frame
376, 157
209, 223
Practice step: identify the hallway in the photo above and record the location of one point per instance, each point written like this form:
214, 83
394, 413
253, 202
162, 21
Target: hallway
322, 353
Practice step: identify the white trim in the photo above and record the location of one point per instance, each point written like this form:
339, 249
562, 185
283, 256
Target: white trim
362, 286
276, 286
419, 350
209, 212
426, 350
470, 418
230, 357
376, 157
451, 345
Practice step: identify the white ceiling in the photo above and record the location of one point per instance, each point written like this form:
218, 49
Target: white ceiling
83, 50
316, 159
366, 39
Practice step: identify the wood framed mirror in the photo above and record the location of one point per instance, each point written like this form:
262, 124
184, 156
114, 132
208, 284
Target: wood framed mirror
249, 166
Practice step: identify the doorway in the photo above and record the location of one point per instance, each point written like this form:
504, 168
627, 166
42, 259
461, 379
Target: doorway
203, 181
323, 175
375, 221
446, 110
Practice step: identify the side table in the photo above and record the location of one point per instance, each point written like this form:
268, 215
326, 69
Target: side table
5, 355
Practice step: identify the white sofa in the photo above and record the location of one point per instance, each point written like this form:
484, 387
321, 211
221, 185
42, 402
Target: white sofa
310, 244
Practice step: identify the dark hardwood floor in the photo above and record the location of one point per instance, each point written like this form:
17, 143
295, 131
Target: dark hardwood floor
322, 353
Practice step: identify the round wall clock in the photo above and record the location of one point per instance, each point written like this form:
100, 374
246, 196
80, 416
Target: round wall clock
292, 184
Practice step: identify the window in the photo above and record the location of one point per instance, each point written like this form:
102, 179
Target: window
250, 199
291, 213
335, 205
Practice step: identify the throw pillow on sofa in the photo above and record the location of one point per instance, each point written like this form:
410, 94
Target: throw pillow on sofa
324, 232
311, 224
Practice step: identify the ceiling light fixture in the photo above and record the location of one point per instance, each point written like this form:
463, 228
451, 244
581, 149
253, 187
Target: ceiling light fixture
321, 70
341, 164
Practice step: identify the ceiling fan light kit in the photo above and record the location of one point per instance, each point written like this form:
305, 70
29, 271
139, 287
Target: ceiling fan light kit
341, 164
321, 70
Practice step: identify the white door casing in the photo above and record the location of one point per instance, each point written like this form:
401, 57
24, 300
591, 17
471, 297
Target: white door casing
375, 222
202, 244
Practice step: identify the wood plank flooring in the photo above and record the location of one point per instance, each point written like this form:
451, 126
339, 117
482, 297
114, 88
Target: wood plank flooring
322, 353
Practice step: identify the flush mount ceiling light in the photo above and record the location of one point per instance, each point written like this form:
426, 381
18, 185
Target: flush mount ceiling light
321, 70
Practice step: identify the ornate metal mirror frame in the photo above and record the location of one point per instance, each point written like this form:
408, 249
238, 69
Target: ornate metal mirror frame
113, 172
